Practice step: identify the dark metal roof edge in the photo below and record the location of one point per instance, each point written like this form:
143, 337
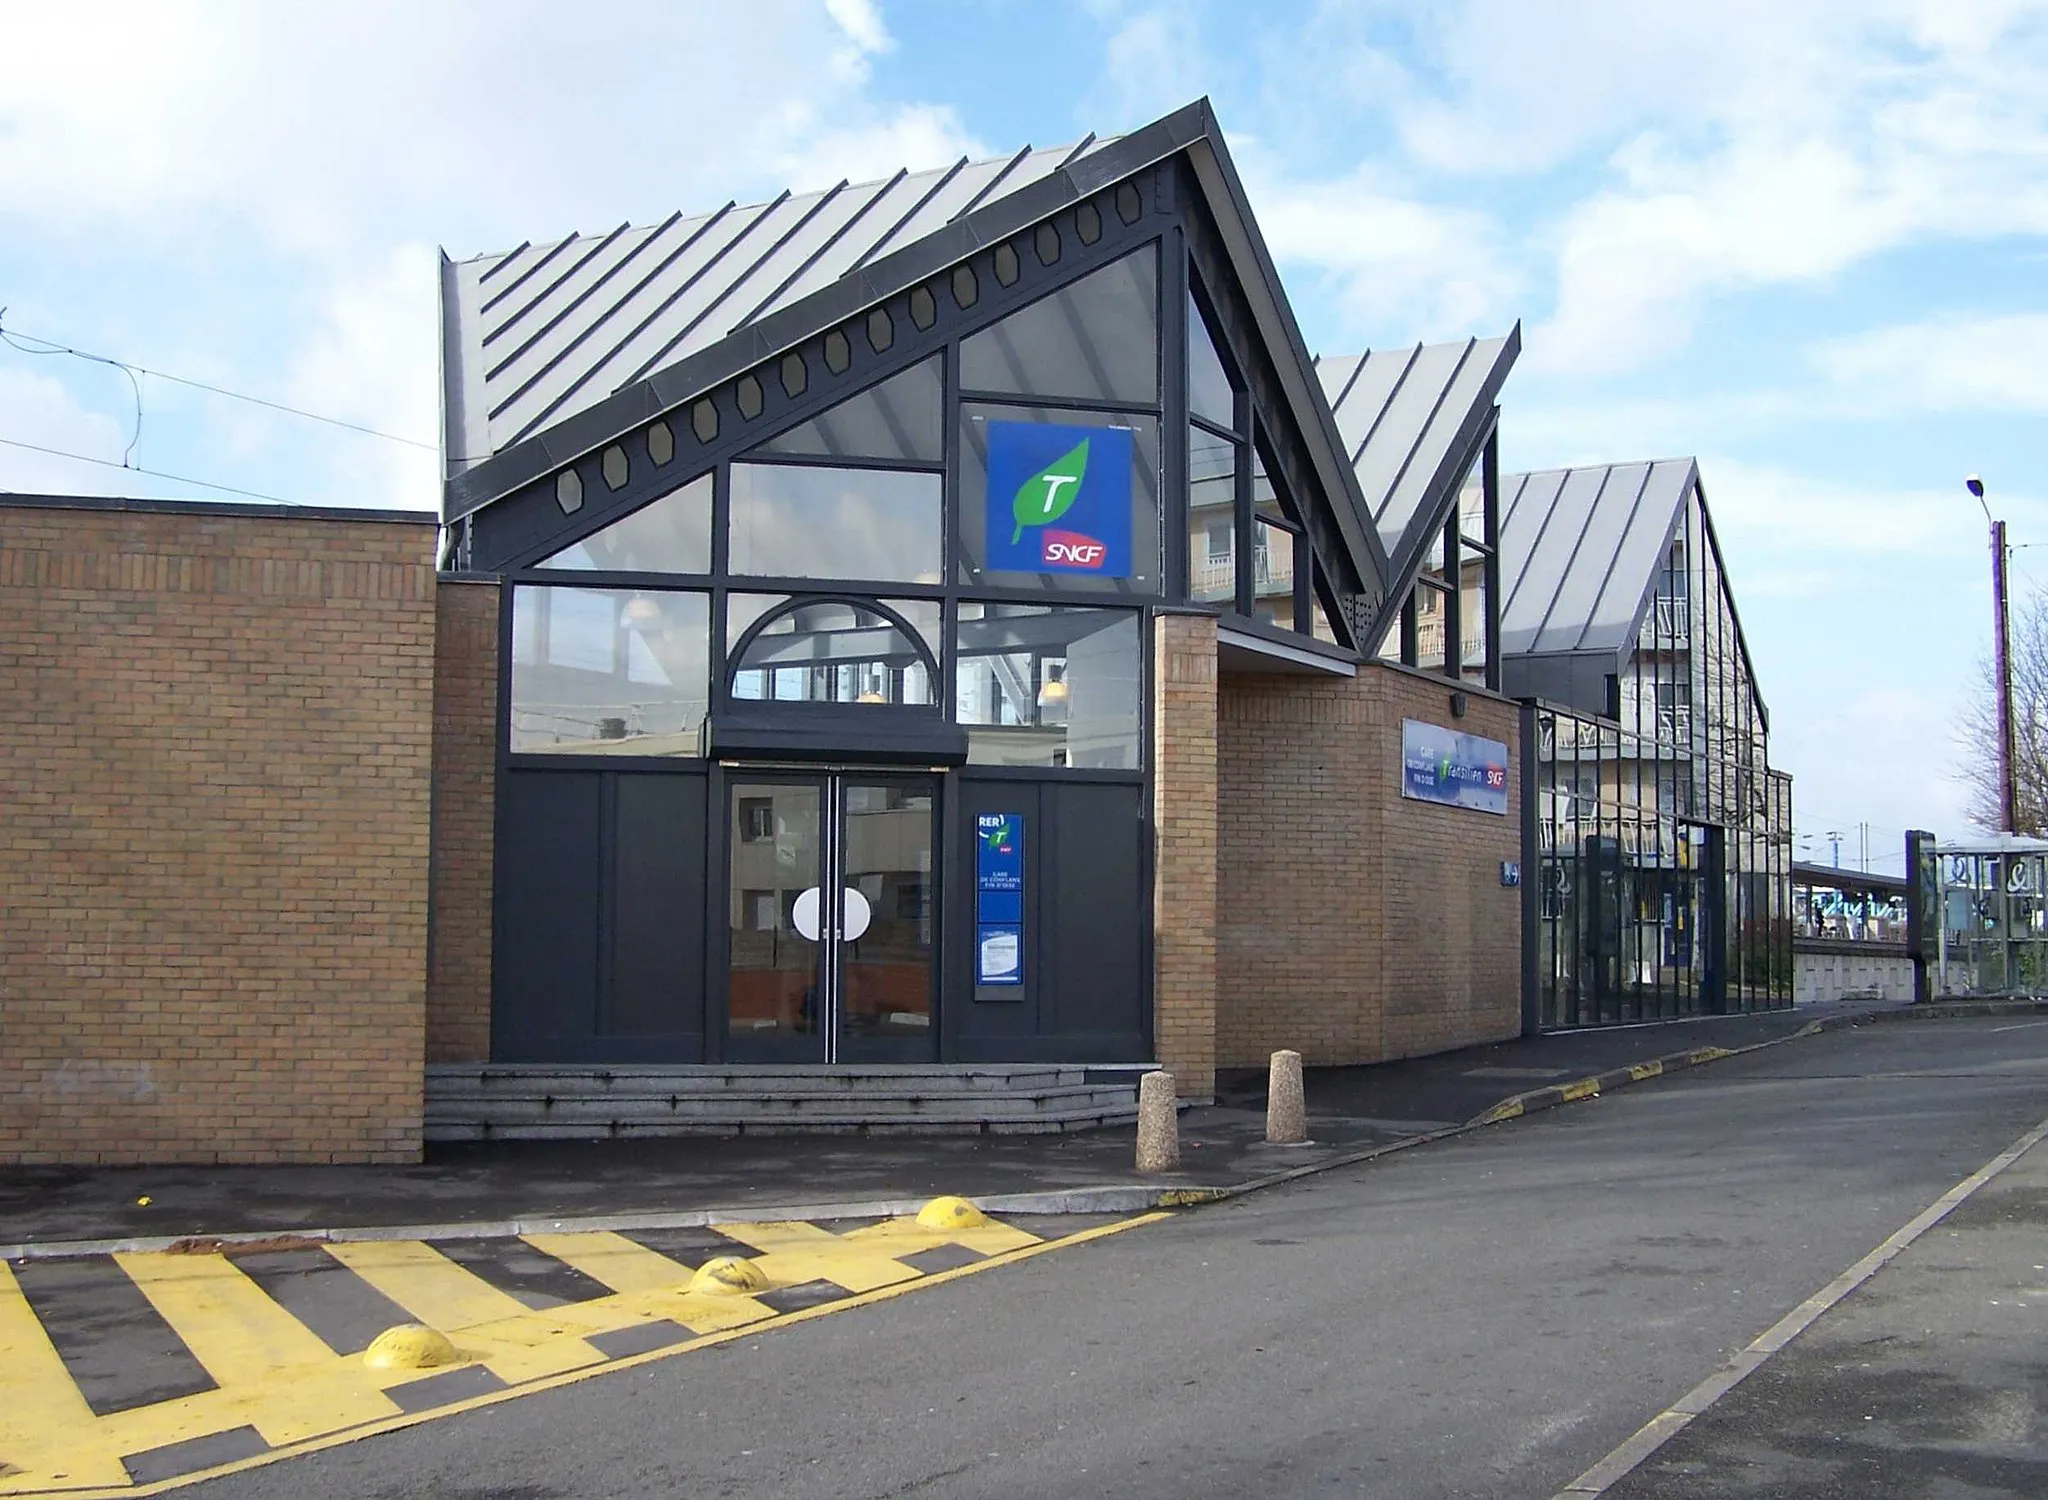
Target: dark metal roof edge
641, 400
1441, 495
1642, 606
447, 351
1312, 411
1696, 488
1480, 416
9, 500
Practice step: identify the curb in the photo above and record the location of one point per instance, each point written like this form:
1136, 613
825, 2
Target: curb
1111, 1198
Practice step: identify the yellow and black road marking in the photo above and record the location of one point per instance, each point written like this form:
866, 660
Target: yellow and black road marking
127, 1374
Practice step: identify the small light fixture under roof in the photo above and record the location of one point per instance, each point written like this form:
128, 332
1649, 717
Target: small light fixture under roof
1054, 693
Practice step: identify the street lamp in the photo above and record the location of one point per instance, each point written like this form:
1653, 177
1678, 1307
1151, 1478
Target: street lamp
2001, 637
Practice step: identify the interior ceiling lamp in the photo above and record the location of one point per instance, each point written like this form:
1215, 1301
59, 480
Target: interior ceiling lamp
642, 610
1054, 692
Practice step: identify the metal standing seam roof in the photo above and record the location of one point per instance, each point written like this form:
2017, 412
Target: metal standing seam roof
1580, 550
541, 332
1408, 418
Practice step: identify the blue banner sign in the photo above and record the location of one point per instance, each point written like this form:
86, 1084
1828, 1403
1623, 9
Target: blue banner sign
1458, 770
999, 898
1059, 499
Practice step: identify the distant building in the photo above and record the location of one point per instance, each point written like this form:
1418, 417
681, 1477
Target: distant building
1662, 839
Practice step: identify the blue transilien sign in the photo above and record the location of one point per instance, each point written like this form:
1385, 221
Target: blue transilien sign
999, 898
1460, 770
1059, 499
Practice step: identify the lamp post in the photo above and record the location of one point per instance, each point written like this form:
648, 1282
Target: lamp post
2001, 637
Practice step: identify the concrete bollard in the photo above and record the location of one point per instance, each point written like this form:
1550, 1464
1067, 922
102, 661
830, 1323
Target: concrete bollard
1158, 1124
1286, 1108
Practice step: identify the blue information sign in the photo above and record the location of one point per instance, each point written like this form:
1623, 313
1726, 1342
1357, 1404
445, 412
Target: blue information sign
1461, 770
1059, 499
999, 898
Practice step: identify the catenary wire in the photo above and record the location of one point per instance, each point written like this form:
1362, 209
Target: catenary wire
205, 484
14, 339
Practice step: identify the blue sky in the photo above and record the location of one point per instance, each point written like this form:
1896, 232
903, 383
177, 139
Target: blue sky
1806, 240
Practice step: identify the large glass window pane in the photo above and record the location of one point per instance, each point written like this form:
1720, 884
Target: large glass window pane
669, 535
1212, 517
1039, 686
1096, 339
1472, 618
1209, 390
1472, 504
1273, 572
903, 418
833, 652
1431, 604
1061, 518
804, 521
609, 671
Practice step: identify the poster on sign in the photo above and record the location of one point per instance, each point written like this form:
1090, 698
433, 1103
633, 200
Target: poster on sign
1458, 770
999, 899
1059, 499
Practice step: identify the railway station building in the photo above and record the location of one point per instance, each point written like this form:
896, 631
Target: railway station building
906, 656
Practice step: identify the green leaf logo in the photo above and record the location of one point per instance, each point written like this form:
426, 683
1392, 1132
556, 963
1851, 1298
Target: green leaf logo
1051, 492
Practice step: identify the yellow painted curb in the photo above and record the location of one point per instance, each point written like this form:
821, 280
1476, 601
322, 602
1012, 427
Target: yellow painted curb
1585, 1088
410, 1346
951, 1213
729, 1276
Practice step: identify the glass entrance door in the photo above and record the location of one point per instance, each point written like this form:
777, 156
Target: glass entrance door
832, 916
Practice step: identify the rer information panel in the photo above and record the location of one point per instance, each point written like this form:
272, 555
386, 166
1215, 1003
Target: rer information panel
1458, 770
999, 899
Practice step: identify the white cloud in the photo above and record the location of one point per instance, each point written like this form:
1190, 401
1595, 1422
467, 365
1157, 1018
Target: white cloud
862, 23
1778, 516
1153, 63
916, 136
1401, 269
38, 408
1989, 363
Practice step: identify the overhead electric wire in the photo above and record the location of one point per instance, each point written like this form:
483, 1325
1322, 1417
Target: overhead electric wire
14, 339
85, 458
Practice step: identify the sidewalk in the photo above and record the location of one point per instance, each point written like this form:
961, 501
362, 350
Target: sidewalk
510, 1187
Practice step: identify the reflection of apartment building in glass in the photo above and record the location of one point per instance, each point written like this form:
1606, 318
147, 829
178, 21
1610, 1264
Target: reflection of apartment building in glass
1659, 838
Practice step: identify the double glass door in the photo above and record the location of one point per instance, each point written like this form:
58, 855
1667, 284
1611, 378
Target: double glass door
833, 918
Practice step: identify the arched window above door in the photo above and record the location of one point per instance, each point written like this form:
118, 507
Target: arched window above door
841, 651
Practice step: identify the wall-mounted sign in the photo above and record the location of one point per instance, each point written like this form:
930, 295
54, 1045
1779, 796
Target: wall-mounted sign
999, 898
1459, 770
1059, 499
1510, 873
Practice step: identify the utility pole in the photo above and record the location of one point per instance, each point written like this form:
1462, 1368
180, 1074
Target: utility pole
1835, 839
2008, 799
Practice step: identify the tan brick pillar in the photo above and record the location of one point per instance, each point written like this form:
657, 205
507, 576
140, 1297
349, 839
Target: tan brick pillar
1184, 850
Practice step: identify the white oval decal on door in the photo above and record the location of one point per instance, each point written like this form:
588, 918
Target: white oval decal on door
857, 915
803, 914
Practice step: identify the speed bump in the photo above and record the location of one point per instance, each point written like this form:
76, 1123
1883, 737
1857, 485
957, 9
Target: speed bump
729, 1276
951, 1213
410, 1346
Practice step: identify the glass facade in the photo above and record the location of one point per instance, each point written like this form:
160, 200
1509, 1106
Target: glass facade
609, 671
1992, 937
1664, 841
1450, 621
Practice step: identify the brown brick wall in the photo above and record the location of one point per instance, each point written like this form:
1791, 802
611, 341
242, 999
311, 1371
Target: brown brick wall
213, 835
1355, 924
465, 772
1184, 852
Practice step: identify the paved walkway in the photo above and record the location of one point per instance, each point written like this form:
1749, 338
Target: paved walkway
524, 1183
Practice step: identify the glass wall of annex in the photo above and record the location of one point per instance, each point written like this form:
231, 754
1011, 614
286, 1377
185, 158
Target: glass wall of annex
1663, 840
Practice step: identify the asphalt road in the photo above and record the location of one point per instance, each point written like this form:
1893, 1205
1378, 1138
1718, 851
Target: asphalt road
1483, 1317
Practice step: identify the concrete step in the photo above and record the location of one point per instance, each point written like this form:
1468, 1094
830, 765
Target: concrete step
540, 1102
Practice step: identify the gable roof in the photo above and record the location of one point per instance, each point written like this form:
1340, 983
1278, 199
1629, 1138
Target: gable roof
542, 332
1409, 419
780, 280
1580, 549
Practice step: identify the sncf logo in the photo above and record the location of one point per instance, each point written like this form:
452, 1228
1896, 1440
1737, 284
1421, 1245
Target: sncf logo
1069, 549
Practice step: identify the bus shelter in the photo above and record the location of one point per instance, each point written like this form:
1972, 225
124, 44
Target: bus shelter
1993, 906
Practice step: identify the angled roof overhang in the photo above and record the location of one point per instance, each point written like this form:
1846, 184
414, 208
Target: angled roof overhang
1580, 550
549, 355
1410, 423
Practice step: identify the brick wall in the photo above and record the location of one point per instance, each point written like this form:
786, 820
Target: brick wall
1355, 924
1184, 851
215, 727
465, 771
